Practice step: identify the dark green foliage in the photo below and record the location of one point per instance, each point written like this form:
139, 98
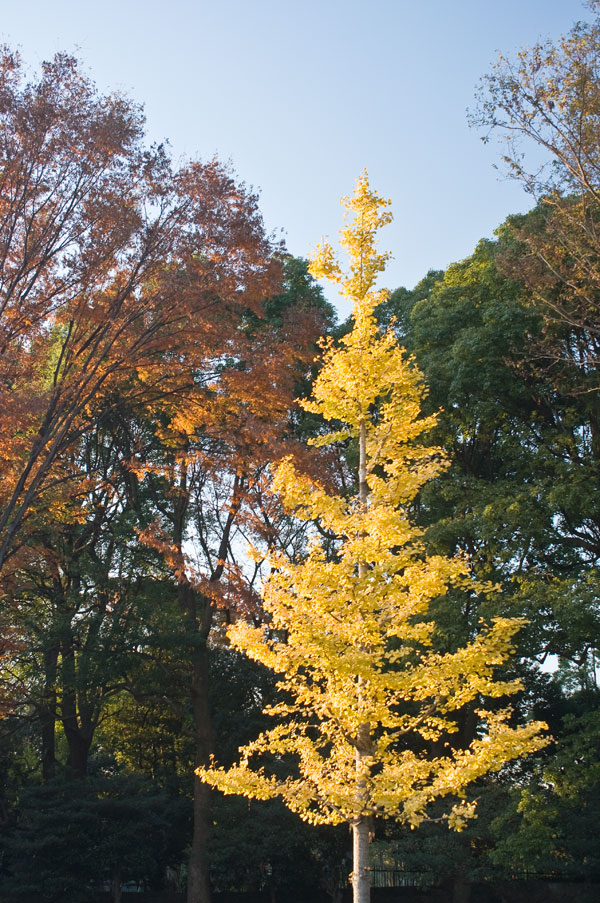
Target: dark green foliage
73, 837
551, 823
261, 845
521, 497
521, 500
300, 293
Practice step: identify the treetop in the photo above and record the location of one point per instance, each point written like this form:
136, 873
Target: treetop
358, 238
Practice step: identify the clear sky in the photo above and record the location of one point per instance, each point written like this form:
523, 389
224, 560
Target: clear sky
301, 95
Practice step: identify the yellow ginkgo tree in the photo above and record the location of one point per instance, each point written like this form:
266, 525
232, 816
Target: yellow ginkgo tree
370, 706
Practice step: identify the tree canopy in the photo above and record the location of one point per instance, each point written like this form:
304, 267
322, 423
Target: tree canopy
370, 709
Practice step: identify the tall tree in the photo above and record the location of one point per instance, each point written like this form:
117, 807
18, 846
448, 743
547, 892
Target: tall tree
123, 277
370, 710
543, 105
78, 602
206, 471
519, 498
114, 268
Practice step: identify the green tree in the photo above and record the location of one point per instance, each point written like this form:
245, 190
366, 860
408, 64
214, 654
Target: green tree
73, 837
544, 106
519, 498
550, 826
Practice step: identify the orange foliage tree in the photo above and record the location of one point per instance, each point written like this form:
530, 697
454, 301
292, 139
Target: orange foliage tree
125, 280
207, 472
119, 275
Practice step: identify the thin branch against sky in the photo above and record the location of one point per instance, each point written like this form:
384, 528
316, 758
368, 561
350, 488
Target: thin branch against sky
301, 96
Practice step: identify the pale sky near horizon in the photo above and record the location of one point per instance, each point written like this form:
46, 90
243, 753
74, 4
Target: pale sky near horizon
303, 95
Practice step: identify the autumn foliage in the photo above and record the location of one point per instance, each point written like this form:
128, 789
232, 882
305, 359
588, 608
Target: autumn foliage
371, 708
119, 275
397, 554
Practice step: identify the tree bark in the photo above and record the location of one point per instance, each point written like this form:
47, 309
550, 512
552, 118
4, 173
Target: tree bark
197, 612
198, 885
116, 886
76, 722
48, 713
361, 870
79, 749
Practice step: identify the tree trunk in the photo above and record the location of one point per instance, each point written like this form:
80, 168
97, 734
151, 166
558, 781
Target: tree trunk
198, 884
116, 886
78, 739
361, 871
198, 888
48, 713
197, 611
79, 748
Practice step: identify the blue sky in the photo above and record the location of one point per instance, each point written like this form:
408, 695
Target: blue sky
301, 95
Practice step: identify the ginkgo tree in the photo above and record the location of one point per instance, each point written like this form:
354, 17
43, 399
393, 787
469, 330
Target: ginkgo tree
371, 706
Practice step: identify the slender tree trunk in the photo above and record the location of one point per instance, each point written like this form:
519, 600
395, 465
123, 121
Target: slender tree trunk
363, 488
116, 886
48, 713
76, 725
197, 612
198, 886
361, 869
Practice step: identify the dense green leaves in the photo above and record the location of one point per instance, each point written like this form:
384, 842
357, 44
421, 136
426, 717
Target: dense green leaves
520, 499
